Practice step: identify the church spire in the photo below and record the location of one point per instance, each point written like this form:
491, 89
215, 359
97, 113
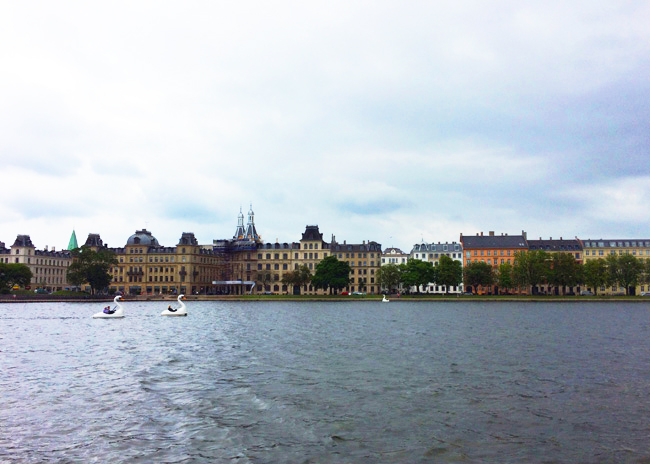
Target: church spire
240, 233
251, 232
73, 241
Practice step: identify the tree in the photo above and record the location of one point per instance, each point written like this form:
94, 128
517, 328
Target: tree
331, 274
564, 271
478, 274
91, 267
298, 278
625, 270
416, 273
389, 276
449, 272
594, 273
504, 276
14, 274
530, 268
266, 277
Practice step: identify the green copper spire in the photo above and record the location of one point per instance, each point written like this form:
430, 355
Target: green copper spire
73, 241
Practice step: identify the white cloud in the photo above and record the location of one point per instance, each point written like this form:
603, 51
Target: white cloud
368, 118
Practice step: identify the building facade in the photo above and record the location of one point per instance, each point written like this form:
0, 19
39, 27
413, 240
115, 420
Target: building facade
552, 246
432, 252
49, 267
146, 267
601, 248
394, 256
493, 250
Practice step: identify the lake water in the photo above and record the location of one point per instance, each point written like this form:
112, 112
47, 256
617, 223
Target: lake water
299, 382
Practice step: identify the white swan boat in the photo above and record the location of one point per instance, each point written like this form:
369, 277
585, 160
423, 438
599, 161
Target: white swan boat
182, 311
384, 299
116, 313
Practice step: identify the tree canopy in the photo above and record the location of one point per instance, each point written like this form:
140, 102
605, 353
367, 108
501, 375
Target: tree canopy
91, 267
416, 273
449, 272
331, 274
389, 276
478, 274
14, 274
297, 278
530, 268
595, 273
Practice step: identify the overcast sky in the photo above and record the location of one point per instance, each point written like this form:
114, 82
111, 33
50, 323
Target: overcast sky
389, 121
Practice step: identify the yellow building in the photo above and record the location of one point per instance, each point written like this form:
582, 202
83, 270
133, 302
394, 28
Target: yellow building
601, 248
49, 267
364, 260
147, 268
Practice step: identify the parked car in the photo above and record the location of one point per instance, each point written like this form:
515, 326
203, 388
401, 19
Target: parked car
645, 294
468, 294
586, 293
41, 291
358, 293
344, 293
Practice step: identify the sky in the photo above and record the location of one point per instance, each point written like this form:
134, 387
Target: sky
398, 122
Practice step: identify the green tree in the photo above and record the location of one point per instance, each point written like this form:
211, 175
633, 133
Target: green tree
14, 274
92, 267
478, 274
594, 273
504, 276
331, 274
449, 272
388, 276
627, 272
297, 278
530, 268
416, 273
564, 271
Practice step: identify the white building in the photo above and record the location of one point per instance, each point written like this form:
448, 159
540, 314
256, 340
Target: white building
394, 256
432, 252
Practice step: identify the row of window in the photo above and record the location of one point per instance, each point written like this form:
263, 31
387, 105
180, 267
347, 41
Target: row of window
620, 252
437, 255
489, 253
613, 244
489, 261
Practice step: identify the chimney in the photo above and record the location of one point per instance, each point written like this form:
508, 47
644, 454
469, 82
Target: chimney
523, 232
481, 233
491, 233
53, 249
45, 248
560, 238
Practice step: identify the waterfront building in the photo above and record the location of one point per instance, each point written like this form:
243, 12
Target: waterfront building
364, 260
49, 267
146, 267
432, 252
394, 256
493, 250
552, 246
601, 248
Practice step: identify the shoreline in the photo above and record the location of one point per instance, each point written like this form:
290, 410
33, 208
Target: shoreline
336, 299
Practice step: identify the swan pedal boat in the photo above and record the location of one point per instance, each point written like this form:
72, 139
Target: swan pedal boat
182, 311
385, 300
118, 313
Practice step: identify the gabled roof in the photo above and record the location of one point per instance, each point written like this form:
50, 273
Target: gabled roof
493, 241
